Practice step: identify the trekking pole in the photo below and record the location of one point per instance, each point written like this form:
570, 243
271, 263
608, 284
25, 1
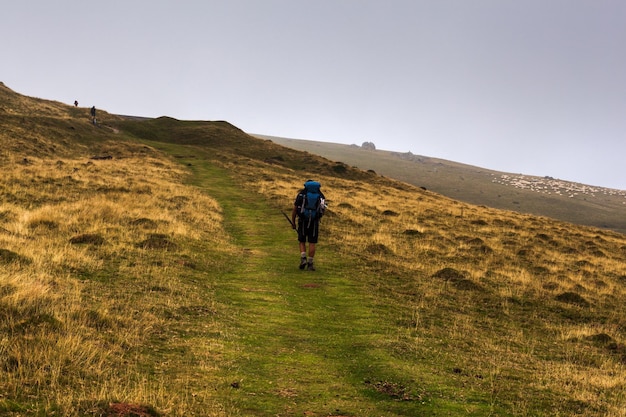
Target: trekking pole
293, 226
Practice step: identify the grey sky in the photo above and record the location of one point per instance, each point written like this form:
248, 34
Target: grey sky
535, 86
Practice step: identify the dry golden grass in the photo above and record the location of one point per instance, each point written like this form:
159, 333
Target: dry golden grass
68, 228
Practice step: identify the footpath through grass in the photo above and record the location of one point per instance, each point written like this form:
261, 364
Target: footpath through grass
303, 342
306, 343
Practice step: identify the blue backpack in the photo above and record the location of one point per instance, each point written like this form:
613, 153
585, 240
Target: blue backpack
312, 205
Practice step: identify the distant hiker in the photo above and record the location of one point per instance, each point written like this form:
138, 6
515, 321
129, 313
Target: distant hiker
93, 115
75, 103
309, 206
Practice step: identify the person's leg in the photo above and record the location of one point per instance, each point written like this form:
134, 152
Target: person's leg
313, 234
310, 265
303, 259
302, 243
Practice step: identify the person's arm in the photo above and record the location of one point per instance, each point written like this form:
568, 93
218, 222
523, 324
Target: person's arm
296, 206
293, 216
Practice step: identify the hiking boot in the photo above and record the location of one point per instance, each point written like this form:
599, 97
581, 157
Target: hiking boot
310, 266
302, 262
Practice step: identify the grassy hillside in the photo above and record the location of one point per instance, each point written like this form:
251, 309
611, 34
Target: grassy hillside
563, 200
146, 270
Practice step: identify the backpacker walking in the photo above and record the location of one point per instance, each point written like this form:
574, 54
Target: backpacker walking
309, 206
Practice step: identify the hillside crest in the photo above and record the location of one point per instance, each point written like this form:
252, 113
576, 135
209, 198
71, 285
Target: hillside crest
546, 196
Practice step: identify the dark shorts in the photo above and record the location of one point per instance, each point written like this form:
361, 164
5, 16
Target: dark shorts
308, 231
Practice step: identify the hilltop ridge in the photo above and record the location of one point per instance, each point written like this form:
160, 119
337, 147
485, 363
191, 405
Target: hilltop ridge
13, 103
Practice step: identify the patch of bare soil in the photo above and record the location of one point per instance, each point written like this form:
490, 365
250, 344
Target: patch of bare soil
394, 390
130, 410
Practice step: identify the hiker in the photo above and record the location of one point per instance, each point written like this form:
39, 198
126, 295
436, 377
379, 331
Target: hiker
93, 114
75, 103
309, 206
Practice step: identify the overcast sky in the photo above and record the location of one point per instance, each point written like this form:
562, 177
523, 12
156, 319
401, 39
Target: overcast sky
525, 86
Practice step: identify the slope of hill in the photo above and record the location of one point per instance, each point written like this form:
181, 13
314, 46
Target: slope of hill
43, 128
146, 270
562, 200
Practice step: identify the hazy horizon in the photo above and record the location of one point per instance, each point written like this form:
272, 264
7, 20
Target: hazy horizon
531, 87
